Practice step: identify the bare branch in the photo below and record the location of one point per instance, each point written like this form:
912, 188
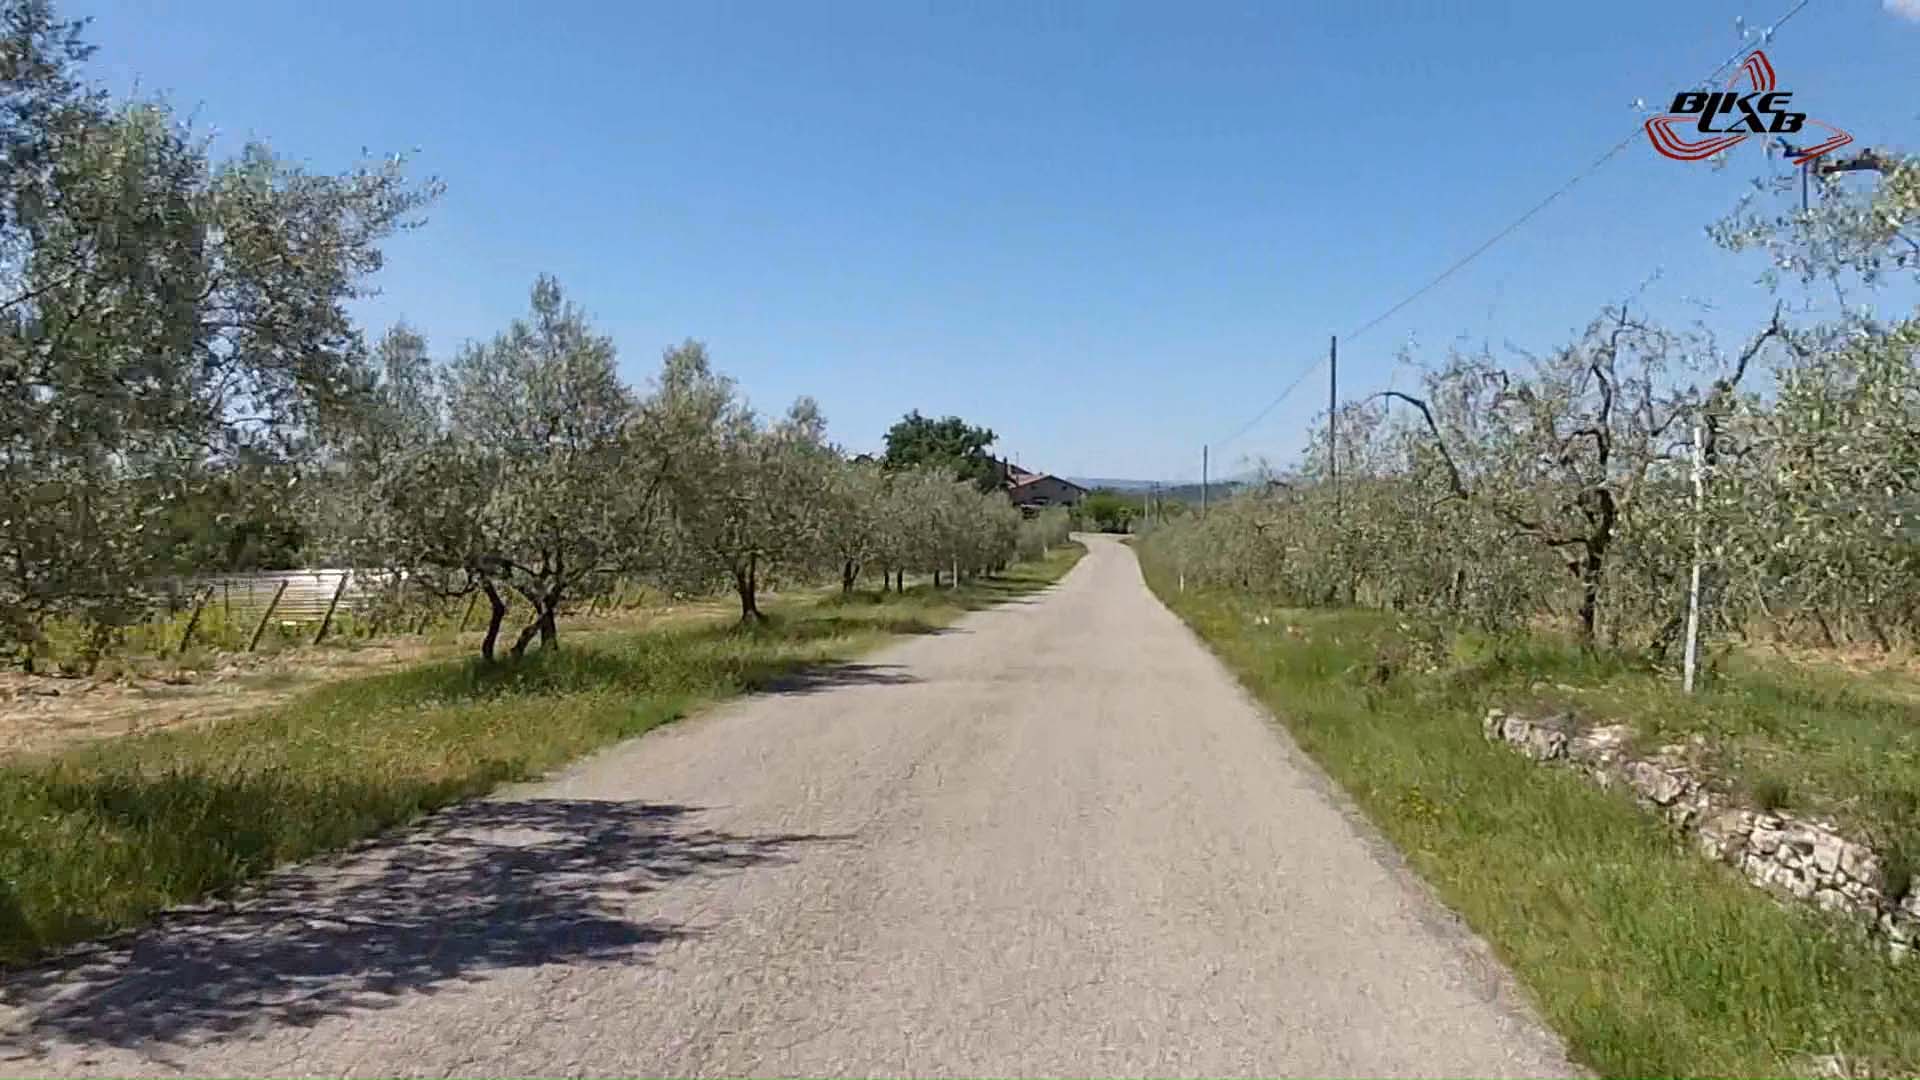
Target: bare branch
1453, 469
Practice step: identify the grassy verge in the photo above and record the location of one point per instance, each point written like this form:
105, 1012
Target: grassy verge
1650, 960
100, 837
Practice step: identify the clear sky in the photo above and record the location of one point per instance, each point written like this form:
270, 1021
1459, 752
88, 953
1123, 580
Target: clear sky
1109, 231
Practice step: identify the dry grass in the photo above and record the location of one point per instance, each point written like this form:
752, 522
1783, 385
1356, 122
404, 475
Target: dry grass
43, 713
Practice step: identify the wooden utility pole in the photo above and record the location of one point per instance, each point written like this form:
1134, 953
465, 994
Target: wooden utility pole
1333, 420
1203, 483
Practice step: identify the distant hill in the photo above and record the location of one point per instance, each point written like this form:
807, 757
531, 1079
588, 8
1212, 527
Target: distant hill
1094, 483
1218, 489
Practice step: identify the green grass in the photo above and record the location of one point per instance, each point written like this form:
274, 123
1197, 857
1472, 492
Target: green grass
1809, 739
100, 838
1649, 959
1817, 740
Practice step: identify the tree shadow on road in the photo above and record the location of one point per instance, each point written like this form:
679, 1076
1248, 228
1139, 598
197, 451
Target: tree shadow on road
474, 889
823, 677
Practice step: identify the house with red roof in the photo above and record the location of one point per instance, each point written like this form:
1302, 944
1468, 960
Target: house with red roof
1032, 491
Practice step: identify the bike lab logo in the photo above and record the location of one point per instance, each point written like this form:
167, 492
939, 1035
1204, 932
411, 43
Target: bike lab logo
1728, 117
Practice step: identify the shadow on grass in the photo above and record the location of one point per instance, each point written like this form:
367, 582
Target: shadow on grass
477, 888
647, 662
787, 630
652, 661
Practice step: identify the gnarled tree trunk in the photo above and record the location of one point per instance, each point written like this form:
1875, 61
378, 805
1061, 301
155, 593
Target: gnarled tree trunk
746, 583
497, 612
543, 624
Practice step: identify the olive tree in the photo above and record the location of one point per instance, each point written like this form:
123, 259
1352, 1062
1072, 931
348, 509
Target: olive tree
163, 315
747, 497
1860, 230
853, 519
1564, 484
523, 466
571, 463
1560, 448
1038, 535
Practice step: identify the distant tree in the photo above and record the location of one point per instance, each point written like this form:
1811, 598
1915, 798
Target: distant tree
902, 521
746, 497
950, 444
854, 519
1035, 537
1108, 511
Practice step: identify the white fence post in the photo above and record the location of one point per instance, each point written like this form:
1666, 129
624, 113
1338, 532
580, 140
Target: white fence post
1693, 590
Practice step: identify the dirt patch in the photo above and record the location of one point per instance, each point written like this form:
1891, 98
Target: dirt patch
42, 713
45, 713
1849, 659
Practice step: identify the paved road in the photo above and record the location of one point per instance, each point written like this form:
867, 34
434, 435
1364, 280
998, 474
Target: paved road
1054, 839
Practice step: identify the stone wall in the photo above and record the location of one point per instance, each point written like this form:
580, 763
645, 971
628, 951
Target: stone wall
1792, 857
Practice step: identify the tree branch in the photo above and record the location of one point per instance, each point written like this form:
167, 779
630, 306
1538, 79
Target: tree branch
1453, 470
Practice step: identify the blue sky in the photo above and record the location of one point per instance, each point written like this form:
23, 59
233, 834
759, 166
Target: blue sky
1109, 231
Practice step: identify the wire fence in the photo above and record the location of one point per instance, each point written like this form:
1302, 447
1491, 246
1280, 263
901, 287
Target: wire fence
305, 598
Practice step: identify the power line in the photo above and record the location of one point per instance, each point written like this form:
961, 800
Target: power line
1766, 37
1271, 405
1499, 236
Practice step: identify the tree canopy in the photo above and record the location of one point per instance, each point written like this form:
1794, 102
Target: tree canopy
950, 444
173, 327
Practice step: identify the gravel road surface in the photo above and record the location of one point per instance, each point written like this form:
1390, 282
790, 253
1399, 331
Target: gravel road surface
1055, 838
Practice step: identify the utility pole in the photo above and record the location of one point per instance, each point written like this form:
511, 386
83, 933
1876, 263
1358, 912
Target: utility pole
1203, 483
1333, 420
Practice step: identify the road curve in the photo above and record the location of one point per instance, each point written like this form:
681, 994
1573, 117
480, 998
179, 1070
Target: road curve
1056, 838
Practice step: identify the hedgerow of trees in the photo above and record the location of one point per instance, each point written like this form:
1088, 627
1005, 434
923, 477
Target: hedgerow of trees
182, 387
526, 465
1561, 485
